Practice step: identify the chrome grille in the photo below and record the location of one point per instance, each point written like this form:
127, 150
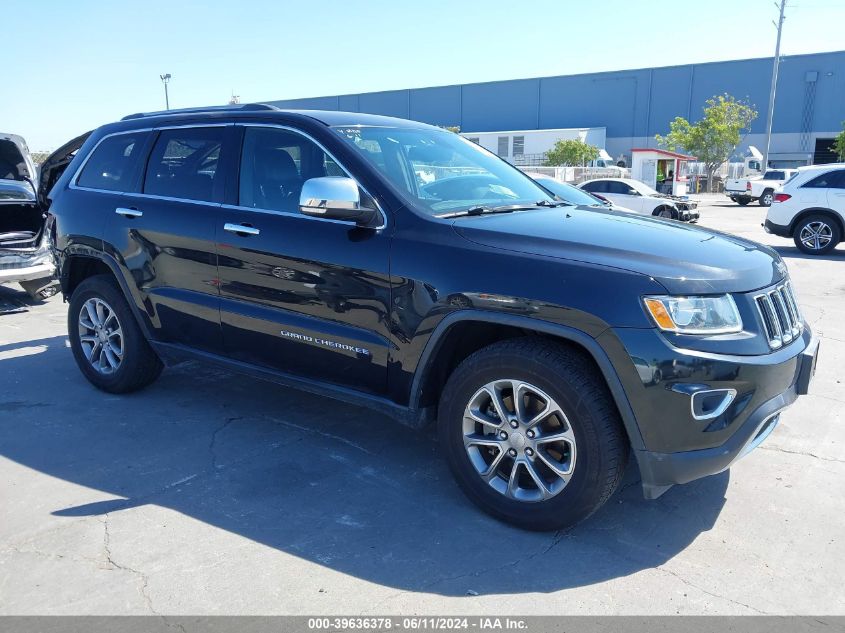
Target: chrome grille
778, 309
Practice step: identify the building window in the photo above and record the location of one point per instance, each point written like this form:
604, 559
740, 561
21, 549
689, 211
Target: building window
503, 146
518, 145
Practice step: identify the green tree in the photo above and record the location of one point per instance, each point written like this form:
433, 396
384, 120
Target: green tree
839, 143
571, 152
716, 136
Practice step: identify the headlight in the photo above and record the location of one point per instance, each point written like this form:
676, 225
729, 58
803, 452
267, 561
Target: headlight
695, 315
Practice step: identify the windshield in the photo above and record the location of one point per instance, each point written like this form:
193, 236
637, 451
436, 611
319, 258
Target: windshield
642, 187
569, 193
441, 171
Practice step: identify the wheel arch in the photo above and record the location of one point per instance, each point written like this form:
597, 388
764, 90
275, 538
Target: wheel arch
660, 207
439, 359
77, 267
833, 215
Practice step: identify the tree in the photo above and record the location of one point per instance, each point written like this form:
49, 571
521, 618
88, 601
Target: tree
716, 136
571, 152
839, 144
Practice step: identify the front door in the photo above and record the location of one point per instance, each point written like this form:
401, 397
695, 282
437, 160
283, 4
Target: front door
164, 235
302, 295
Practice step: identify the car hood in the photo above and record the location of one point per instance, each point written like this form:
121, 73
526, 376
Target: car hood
683, 258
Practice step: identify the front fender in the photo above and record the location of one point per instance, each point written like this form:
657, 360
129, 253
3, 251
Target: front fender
573, 335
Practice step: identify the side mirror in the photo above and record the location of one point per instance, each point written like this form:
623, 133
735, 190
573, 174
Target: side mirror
335, 198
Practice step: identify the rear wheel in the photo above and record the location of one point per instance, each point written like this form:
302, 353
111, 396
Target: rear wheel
105, 338
767, 198
531, 433
816, 235
742, 201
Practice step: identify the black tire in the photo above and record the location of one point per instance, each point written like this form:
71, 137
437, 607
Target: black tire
139, 365
828, 229
568, 376
767, 198
742, 201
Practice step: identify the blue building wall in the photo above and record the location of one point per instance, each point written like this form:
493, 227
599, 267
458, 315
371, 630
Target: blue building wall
629, 103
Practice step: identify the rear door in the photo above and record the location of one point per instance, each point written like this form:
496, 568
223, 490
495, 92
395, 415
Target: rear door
821, 191
163, 234
302, 295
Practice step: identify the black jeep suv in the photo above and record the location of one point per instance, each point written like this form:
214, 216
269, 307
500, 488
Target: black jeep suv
397, 265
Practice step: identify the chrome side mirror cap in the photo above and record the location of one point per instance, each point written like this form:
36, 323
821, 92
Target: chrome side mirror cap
335, 198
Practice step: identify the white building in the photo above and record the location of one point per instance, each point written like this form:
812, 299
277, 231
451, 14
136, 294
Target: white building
528, 147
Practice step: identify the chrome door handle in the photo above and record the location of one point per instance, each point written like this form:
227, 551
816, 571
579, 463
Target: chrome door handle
240, 228
129, 213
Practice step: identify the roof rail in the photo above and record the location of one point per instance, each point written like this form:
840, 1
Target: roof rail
242, 107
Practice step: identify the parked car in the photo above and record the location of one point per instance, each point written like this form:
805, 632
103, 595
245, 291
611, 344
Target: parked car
25, 255
760, 188
548, 343
810, 208
642, 199
574, 195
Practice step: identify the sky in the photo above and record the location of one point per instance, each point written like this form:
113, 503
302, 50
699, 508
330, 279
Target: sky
77, 65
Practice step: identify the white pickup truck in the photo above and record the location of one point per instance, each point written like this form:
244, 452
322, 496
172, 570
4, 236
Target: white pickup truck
762, 188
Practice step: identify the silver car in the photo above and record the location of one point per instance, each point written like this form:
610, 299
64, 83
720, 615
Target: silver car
25, 255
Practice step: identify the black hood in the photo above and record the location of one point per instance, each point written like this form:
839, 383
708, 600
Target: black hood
683, 258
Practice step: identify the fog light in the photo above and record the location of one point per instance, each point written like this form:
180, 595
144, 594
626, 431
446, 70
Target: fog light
711, 403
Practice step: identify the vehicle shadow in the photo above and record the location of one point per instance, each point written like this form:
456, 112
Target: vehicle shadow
328, 482
794, 253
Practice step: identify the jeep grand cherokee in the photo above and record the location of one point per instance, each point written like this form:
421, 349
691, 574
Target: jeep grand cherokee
396, 265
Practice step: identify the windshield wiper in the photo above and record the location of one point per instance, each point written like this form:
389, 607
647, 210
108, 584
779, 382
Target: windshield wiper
549, 203
483, 210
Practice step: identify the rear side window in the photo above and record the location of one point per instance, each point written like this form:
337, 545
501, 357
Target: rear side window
774, 175
599, 186
830, 180
184, 164
113, 163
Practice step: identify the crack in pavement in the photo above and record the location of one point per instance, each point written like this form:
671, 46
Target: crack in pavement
141, 576
674, 574
213, 441
778, 449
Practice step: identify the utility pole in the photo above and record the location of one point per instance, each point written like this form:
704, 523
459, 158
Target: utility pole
773, 89
165, 79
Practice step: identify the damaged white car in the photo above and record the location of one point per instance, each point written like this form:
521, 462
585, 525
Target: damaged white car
25, 255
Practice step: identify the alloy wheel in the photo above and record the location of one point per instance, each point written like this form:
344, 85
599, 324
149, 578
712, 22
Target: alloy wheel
519, 440
100, 335
768, 199
816, 235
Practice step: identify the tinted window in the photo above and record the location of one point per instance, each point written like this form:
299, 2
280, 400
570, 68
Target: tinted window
830, 180
113, 163
184, 162
599, 186
274, 165
568, 192
774, 175
617, 187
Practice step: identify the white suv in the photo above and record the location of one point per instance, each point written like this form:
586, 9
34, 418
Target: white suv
810, 208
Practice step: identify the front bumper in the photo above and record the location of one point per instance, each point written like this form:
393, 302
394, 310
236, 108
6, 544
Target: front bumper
677, 448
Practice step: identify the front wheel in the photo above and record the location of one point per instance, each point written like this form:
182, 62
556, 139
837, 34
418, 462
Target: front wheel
816, 235
664, 212
105, 338
531, 433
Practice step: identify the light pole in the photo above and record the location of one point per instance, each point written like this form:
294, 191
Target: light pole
165, 79
775, 65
